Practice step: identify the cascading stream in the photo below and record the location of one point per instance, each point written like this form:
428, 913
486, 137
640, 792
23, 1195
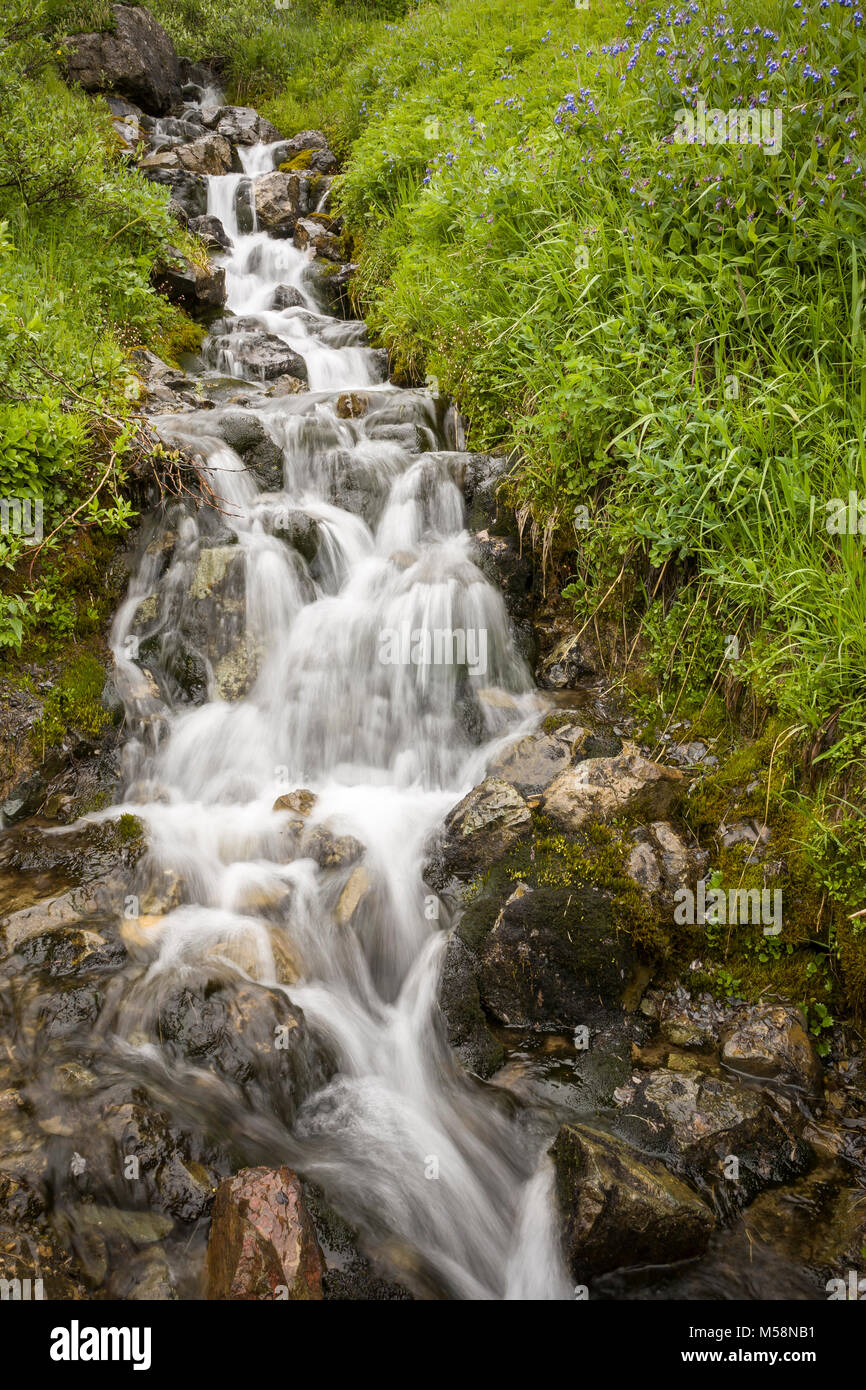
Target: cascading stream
422, 1159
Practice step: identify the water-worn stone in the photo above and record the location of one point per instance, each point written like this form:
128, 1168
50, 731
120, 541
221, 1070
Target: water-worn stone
264, 355
262, 1241
244, 432
480, 829
309, 147
188, 191
620, 1208
553, 958
279, 202
534, 761
705, 1121
770, 1041
239, 124
287, 297
466, 1025
136, 60
312, 235
601, 788
209, 154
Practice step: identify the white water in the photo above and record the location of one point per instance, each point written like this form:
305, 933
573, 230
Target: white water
420, 1157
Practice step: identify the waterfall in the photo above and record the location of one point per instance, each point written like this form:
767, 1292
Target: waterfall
333, 697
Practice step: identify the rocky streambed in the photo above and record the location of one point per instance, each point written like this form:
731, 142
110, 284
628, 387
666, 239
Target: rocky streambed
341, 967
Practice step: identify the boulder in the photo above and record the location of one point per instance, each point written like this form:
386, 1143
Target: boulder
245, 433
197, 289
554, 958
135, 60
287, 297
299, 531
210, 154
479, 830
533, 762
703, 1122
770, 1041
212, 232
601, 788
620, 1208
311, 235
306, 150
250, 1034
244, 207
330, 851
278, 202
262, 1241
263, 355
466, 1026
239, 124
188, 191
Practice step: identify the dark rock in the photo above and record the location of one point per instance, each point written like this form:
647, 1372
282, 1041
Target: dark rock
300, 531
188, 190
195, 288
567, 664
312, 235
264, 355
244, 207
554, 958
620, 1208
770, 1041
246, 434
135, 60
465, 1021
287, 297
212, 232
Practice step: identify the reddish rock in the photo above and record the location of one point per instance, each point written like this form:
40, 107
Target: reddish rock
262, 1241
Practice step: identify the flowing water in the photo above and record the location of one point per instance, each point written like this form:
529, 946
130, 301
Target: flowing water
423, 1160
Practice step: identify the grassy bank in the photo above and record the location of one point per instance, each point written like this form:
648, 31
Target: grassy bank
669, 334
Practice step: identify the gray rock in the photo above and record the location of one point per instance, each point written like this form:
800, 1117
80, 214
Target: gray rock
567, 664
481, 829
212, 232
135, 60
466, 1025
602, 788
770, 1041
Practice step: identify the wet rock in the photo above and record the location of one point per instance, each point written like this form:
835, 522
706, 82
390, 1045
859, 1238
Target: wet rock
188, 191
245, 433
352, 405
329, 284
209, 154
194, 287
68, 1010
136, 60
568, 663
212, 232
466, 1025
662, 862
770, 1041
601, 788
313, 235
818, 1221
279, 201
685, 1022
300, 531
34, 1252
355, 892
705, 1122
287, 297
510, 568
330, 851
301, 802
479, 830
534, 761
285, 386
264, 355
250, 1034
262, 1241
244, 207
553, 958
240, 124
621, 1208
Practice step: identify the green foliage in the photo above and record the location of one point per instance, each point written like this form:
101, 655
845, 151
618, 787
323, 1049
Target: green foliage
74, 702
80, 232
